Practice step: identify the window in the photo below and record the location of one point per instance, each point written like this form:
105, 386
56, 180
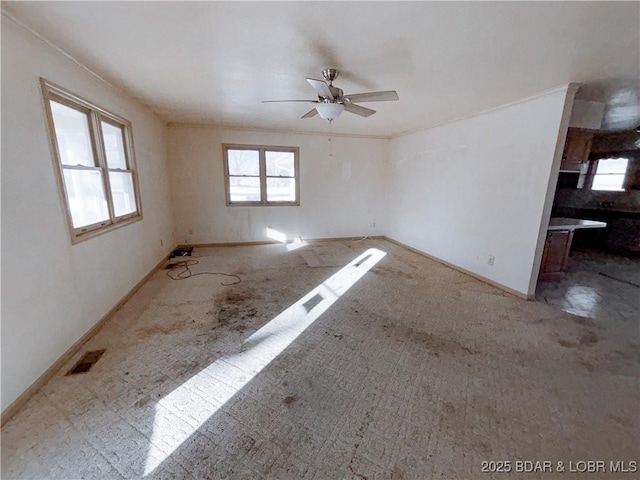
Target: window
93, 155
609, 174
257, 175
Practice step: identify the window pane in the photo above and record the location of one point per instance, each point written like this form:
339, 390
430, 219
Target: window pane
72, 135
87, 201
244, 162
244, 189
608, 182
610, 174
124, 200
281, 189
280, 164
114, 146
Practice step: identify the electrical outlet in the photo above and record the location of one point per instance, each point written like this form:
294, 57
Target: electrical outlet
191, 231
491, 260
372, 225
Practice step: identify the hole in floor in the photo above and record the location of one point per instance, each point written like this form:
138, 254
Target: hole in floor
312, 302
362, 260
86, 362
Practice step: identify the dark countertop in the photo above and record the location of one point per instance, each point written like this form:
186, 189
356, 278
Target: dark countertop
594, 213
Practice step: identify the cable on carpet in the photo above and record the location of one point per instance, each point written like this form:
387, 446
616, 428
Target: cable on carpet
181, 271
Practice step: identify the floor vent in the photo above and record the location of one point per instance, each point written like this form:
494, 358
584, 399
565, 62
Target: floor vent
86, 362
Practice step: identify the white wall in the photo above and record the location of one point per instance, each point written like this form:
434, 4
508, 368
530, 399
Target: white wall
477, 187
340, 195
53, 291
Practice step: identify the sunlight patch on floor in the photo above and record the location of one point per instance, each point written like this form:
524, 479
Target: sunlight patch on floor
582, 301
276, 235
295, 244
239, 369
281, 237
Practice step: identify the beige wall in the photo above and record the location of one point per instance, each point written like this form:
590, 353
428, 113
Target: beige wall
52, 291
340, 195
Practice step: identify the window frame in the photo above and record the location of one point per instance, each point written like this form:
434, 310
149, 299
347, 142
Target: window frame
262, 150
592, 172
95, 117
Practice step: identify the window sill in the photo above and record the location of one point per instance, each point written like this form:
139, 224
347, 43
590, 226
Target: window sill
89, 234
258, 204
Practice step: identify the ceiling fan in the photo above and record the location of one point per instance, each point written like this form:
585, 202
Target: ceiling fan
332, 101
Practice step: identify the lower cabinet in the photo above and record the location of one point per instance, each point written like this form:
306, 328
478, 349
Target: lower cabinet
556, 253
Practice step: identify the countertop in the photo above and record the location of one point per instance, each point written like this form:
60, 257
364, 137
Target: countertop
560, 223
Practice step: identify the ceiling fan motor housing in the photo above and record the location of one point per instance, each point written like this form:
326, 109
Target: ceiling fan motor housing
336, 92
330, 74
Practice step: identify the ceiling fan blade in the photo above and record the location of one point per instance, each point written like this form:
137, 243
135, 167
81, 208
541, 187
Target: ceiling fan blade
321, 88
278, 101
358, 110
386, 96
310, 113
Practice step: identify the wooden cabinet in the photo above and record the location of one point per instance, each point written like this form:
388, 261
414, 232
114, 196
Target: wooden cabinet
576, 149
556, 253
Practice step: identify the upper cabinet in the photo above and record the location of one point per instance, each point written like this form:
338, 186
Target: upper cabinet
576, 149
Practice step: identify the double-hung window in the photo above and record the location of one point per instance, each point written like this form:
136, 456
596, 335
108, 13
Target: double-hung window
609, 173
261, 175
93, 152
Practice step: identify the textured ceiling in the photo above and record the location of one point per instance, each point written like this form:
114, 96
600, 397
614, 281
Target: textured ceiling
214, 62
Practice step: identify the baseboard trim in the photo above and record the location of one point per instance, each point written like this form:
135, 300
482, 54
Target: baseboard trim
376, 237
19, 402
348, 239
274, 242
463, 270
226, 244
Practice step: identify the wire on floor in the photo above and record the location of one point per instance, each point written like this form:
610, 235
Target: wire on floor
181, 271
619, 279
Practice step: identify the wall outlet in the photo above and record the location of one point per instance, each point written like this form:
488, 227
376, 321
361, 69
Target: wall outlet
491, 260
191, 231
372, 225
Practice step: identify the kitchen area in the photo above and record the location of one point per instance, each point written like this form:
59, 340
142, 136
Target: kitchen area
591, 259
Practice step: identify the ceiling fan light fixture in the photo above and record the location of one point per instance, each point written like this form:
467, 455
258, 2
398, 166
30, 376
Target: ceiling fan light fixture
331, 101
330, 111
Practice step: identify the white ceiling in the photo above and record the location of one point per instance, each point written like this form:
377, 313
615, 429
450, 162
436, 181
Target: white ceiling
214, 62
